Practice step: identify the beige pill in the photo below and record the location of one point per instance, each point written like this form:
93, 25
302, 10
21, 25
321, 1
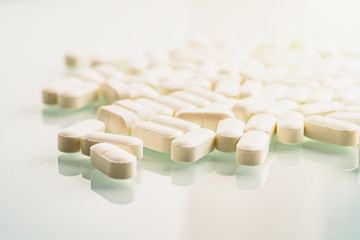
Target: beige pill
279, 107
252, 148
78, 96
319, 108
205, 93
90, 75
275, 90
193, 145
290, 128
69, 139
331, 130
143, 112
205, 117
176, 123
191, 98
298, 93
115, 89
109, 71
353, 117
113, 161
229, 88
262, 122
155, 136
130, 144
174, 103
245, 108
117, 119
157, 108
250, 88
228, 134
50, 92
320, 95
142, 90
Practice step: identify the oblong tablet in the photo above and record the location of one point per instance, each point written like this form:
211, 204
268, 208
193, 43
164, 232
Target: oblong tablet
117, 119
245, 108
156, 107
298, 93
90, 75
319, 108
176, 123
290, 128
252, 148
50, 92
69, 139
113, 161
229, 88
193, 145
331, 130
174, 103
279, 107
142, 90
191, 98
143, 112
115, 89
205, 93
130, 144
78, 96
155, 136
262, 122
109, 71
205, 117
353, 117
228, 134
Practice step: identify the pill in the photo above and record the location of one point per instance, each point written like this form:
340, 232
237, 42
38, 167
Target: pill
78, 96
130, 144
279, 107
275, 90
205, 93
167, 87
201, 83
205, 117
156, 107
143, 112
228, 88
117, 119
115, 89
69, 139
193, 145
50, 92
190, 98
90, 75
290, 128
320, 95
262, 122
298, 93
155, 136
174, 103
331, 130
176, 123
142, 90
319, 108
141, 79
353, 117
228, 134
245, 108
250, 88
109, 71
113, 161
252, 148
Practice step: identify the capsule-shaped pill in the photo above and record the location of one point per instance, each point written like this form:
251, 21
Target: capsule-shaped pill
143, 112
50, 92
262, 122
174, 103
78, 96
290, 128
318, 108
191, 98
156, 107
228, 134
115, 89
252, 148
176, 123
353, 117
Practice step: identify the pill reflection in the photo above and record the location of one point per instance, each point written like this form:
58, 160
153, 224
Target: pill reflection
156, 162
289, 155
69, 164
225, 163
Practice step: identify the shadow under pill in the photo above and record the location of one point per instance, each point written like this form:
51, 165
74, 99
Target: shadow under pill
289, 155
156, 162
225, 163
69, 164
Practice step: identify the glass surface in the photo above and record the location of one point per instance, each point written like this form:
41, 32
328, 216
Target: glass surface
307, 191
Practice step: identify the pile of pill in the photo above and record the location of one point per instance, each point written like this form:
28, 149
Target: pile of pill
207, 95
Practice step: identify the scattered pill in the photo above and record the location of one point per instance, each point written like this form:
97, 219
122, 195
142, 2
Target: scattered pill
143, 112
252, 148
174, 103
115, 89
156, 107
290, 128
353, 117
176, 123
262, 122
50, 92
319, 108
78, 96
228, 134
191, 98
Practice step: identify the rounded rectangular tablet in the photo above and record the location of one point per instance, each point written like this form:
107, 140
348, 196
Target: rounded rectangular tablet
143, 112
155, 136
108, 71
279, 107
69, 139
113, 161
50, 92
245, 108
193, 145
176, 123
90, 75
117, 119
252, 148
331, 130
130, 144
250, 88
156, 107
142, 90
353, 117
262, 122
205, 93
290, 128
298, 93
228, 134
115, 89
191, 98
205, 117
319, 108
229, 88
174, 103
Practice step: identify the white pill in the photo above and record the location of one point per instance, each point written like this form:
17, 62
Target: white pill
90, 75
228, 134
50, 92
250, 88
319, 108
148, 80
168, 87
290, 128
78, 96
115, 89
320, 95
262, 122
245, 108
228, 88
174, 103
109, 71
205, 117
143, 112
298, 93
191, 98
69, 139
142, 90
353, 117
176, 123
117, 119
130, 144
252, 148
113, 161
331, 130
275, 90
279, 107
156, 107
193, 145
205, 93
155, 136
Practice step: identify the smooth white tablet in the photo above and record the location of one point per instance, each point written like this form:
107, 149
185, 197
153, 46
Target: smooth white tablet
320, 95
353, 117
69, 139
228, 88
109, 71
155, 136
78, 96
117, 119
113, 161
176, 123
252, 148
290, 128
205, 93
115, 89
205, 117
331, 130
193, 145
143, 112
275, 90
142, 90
250, 88
298, 93
228, 134
130, 144
191, 98
245, 108
262, 122
157, 108
174, 103
279, 107
319, 108
50, 92
90, 75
